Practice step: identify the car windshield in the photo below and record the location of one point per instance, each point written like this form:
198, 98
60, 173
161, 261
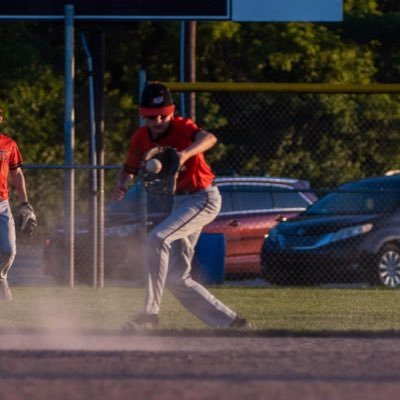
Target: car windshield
361, 201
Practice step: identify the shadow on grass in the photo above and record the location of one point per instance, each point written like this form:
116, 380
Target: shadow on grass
251, 333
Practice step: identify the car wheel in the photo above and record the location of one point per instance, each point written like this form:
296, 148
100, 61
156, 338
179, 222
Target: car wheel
389, 266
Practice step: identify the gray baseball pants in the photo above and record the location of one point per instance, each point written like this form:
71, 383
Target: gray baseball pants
170, 252
7, 239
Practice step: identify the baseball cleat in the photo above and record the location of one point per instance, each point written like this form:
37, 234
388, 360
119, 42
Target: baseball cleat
5, 291
140, 322
240, 323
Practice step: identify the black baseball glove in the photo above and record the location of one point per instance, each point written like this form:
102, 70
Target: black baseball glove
26, 219
162, 181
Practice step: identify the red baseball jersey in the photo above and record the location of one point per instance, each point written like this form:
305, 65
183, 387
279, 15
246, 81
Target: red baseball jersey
10, 158
181, 133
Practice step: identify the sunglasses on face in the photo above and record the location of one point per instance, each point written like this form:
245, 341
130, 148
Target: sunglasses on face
154, 117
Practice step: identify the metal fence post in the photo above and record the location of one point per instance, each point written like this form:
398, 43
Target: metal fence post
93, 172
143, 194
69, 142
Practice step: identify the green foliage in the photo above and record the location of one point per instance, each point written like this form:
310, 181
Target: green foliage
35, 114
361, 7
329, 164
324, 138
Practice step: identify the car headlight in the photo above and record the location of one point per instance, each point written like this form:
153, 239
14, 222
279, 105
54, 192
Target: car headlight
347, 233
274, 238
271, 235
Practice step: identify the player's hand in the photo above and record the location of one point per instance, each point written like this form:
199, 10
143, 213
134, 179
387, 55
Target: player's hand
119, 193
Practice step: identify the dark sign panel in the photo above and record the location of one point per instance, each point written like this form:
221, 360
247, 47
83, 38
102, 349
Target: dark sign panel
117, 9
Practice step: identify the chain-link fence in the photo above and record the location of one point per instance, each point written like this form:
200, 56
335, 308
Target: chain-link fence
323, 138
326, 137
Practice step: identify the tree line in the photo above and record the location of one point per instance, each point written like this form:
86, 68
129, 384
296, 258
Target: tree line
361, 49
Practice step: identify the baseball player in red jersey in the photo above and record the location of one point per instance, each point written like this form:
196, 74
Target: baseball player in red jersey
196, 203
10, 164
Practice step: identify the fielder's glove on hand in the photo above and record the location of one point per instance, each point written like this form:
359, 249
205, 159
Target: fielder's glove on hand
26, 219
164, 181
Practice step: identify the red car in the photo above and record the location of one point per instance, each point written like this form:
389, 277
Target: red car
251, 206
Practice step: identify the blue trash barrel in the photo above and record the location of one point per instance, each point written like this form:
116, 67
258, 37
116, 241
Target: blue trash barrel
210, 258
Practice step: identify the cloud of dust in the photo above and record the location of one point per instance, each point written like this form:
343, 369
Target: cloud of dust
62, 321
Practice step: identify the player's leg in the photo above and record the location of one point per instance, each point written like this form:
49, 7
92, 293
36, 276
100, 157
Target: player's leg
191, 294
178, 234
189, 214
7, 248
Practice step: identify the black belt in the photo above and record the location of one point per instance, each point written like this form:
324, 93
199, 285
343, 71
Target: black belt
193, 191
183, 192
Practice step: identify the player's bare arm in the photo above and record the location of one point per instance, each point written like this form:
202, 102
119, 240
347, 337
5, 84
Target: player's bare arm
18, 181
123, 179
204, 141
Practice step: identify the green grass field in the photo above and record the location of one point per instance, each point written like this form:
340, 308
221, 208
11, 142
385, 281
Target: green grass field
297, 310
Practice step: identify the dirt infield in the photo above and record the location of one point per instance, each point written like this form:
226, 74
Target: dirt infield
44, 366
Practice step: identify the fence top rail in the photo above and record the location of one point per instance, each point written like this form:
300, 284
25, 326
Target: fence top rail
283, 87
70, 166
